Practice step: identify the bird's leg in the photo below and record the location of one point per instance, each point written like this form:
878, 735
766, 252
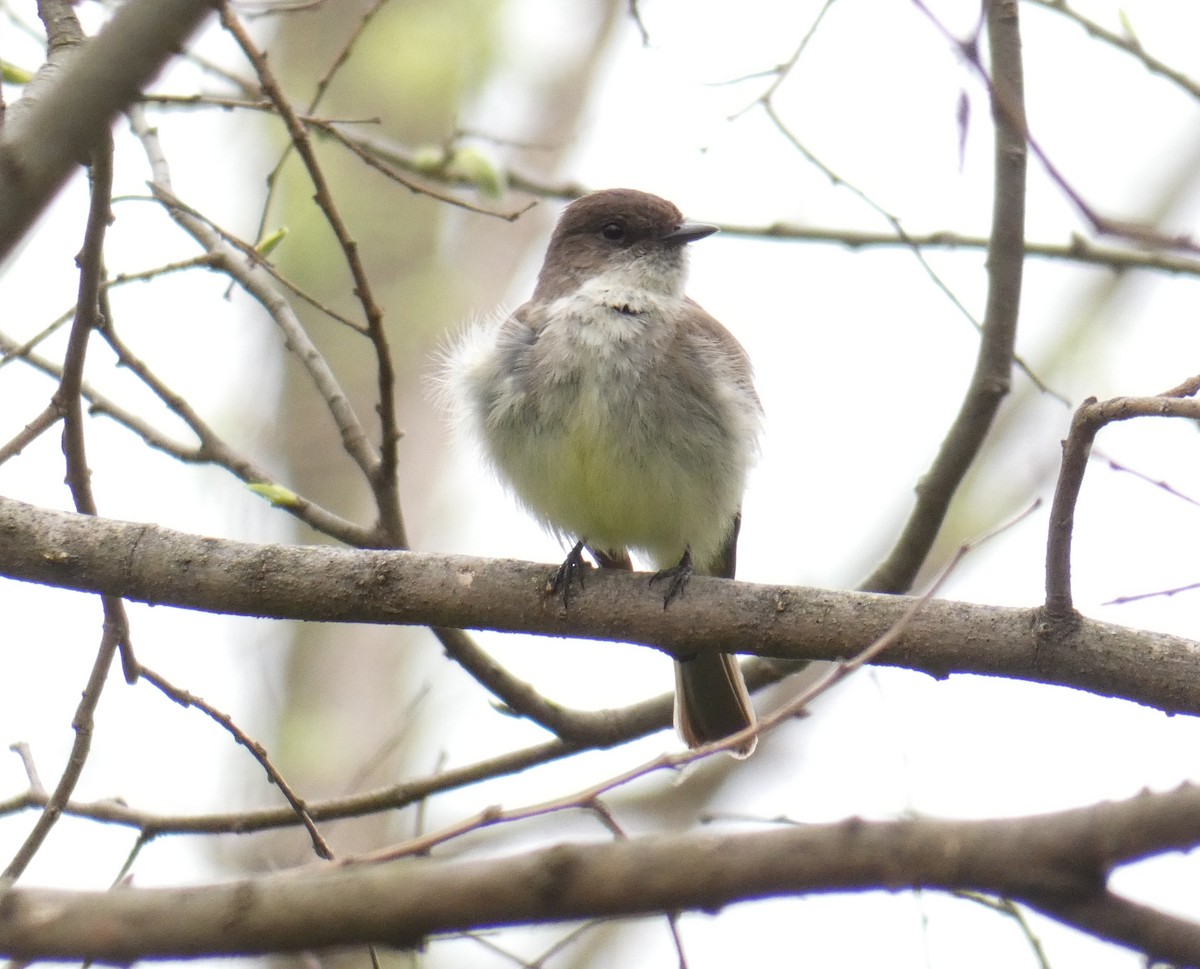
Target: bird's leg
573, 568
676, 577
612, 559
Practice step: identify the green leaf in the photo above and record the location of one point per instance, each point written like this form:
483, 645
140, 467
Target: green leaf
15, 75
429, 159
1127, 26
266, 245
277, 495
480, 170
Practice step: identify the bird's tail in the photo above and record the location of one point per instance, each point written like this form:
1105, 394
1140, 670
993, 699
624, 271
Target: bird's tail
711, 701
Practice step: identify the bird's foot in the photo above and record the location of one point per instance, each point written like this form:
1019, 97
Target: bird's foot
573, 568
676, 578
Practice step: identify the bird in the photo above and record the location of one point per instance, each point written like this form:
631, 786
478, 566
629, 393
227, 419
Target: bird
624, 418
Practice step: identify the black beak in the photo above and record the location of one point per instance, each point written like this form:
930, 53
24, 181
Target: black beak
689, 232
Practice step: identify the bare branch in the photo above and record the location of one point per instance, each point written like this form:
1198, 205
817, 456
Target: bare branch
1013, 112
144, 563
1057, 863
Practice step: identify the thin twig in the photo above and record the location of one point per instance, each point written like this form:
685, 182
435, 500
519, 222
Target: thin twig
603, 728
381, 475
163, 197
21, 749
780, 73
100, 404
343, 55
49, 416
11, 350
339, 59
580, 728
387, 799
297, 804
82, 724
1012, 111
213, 449
1010, 909
1130, 45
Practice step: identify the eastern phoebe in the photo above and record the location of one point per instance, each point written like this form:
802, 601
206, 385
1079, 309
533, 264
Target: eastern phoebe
624, 417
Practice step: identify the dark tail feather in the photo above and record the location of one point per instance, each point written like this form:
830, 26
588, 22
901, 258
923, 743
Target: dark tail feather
711, 701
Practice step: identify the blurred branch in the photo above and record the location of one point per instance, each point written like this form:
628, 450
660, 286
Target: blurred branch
1012, 110
1056, 863
209, 448
339, 61
1129, 44
1078, 250
1009, 909
29, 433
993, 367
390, 157
151, 564
68, 107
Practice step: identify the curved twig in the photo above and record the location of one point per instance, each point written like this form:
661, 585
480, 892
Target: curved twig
1091, 416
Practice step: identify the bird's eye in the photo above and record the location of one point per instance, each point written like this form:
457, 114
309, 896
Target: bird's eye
613, 231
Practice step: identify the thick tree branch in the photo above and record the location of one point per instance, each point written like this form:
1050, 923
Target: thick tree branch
157, 565
993, 367
1058, 863
68, 108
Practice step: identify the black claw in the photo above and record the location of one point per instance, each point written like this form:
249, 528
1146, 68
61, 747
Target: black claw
574, 567
677, 578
